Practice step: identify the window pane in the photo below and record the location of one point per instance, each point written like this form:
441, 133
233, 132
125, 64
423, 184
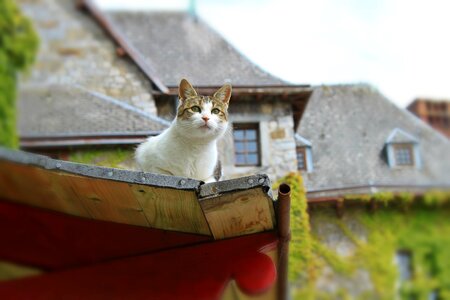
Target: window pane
252, 147
240, 159
252, 159
250, 134
403, 259
239, 147
300, 161
403, 155
238, 134
434, 295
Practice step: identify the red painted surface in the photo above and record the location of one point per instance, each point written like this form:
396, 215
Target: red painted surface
198, 270
53, 241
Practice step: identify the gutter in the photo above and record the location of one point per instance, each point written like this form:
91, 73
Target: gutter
73, 140
335, 194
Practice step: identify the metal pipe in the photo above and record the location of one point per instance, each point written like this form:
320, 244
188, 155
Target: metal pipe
284, 207
284, 231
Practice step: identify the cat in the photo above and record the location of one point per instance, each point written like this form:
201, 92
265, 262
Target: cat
188, 148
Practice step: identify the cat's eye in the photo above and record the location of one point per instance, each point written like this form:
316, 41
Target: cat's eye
196, 109
215, 111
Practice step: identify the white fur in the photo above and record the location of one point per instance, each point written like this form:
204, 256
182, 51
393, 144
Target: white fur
187, 148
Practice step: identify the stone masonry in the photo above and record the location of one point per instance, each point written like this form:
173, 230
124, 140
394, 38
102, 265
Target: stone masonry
75, 51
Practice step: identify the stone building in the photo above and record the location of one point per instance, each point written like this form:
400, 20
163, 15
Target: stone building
132, 63
378, 194
264, 110
80, 93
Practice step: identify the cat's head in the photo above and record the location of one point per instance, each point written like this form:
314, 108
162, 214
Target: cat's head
203, 116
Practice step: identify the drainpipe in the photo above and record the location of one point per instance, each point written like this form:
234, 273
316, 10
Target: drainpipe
284, 232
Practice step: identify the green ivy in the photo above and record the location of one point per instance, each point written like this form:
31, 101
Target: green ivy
18, 47
403, 221
302, 265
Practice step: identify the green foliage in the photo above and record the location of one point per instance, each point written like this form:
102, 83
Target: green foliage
18, 46
433, 198
114, 158
383, 198
302, 265
406, 222
436, 198
422, 229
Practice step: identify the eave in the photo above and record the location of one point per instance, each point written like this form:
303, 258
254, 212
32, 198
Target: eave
62, 141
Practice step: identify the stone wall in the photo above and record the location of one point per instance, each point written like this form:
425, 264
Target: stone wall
277, 145
74, 50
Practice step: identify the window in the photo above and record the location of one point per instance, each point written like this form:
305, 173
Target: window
304, 154
301, 158
246, 145
403, 155
433, 295
404, 262
402, 150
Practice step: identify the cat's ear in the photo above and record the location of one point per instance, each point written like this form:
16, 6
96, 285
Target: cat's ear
186, 90
224, 93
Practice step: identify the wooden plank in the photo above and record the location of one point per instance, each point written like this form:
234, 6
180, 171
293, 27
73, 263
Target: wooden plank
239, 213
39, 187
103, 199
172, 209
223, 209
108, 200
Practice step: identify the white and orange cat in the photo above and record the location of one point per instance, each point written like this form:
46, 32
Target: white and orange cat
188, 147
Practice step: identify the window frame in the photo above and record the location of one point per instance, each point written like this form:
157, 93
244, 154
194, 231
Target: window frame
257, 140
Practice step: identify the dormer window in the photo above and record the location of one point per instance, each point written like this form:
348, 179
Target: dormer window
402, 150
304, 154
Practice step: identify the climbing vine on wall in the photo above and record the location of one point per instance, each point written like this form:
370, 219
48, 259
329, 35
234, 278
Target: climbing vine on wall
18, 46
402, 221
301, 263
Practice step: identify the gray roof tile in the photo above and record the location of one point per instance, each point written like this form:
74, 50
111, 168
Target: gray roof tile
57, 110
178, 46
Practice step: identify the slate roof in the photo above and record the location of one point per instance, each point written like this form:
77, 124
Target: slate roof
69, 110
348, 126
176, 45
75, 51
399, 136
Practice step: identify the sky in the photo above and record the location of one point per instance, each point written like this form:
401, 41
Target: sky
400, 47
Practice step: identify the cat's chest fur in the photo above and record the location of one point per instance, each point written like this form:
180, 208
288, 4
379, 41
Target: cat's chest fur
188, 147
171, 154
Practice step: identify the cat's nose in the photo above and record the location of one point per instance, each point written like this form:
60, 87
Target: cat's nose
205, 118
